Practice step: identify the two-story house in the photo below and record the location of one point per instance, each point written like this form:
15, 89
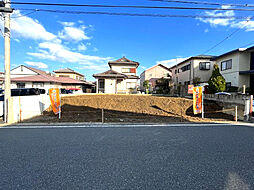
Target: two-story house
196, 69
67, 72
237, 67
120, 78
154, 73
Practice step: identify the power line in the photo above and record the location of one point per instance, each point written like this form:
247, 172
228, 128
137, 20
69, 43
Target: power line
205, 3
130, 6
226, 38
25, 14
135, 14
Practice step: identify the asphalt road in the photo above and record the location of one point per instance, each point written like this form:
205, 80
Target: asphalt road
219, 157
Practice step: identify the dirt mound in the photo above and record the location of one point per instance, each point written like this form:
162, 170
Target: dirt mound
128, 108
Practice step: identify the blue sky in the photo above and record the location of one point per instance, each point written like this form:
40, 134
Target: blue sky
86, 43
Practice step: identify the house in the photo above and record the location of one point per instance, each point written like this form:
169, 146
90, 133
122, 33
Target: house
196, 69
154, 73
67, 72
29, 77
121, 78
237, 67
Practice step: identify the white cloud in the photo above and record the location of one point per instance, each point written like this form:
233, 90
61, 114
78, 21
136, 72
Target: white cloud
26, 27
206, 30
82, 47
171, 62
73, 34
218, 21
231, 22
58, 52
95, 49
40, 65
67, 23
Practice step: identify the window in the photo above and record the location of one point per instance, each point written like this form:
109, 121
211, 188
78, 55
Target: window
150, 75
186, 68
21, 68
126, 70
64, 75
175, 71
131, 85
38, 84
204, 65
225, 65
21, 85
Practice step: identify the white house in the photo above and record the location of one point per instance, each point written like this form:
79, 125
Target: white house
120, 79
237, 67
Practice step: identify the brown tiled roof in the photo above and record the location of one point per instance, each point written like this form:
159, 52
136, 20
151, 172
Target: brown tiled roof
67, 80
41, 72
124, 60
132, 77
110, 73
66, 70
34, 78
43, 78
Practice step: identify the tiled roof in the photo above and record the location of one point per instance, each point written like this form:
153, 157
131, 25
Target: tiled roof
124, 60
34, 78
66, 70
43, 78
67, 80
41, 72
110, 73
132, 77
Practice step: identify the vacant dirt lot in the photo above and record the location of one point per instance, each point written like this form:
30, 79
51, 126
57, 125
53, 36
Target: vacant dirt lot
128, 108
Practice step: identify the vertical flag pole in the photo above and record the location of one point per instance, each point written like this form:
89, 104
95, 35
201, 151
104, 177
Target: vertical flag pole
203, 103
60, 104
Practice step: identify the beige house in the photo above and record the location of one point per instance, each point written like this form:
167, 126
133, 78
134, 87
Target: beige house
194, 69
237, 67
154, 73
69, 73
120, 79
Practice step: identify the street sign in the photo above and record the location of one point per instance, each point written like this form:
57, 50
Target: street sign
190, 89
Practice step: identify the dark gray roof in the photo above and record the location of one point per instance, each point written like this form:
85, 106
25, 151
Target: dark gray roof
246, 72
230, 52
195, 57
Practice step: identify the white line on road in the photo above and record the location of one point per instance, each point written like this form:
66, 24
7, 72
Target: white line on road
34, 126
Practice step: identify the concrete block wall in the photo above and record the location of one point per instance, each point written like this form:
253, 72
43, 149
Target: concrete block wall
230, 102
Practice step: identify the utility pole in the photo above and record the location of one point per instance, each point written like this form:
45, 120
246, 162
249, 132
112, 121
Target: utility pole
7, 81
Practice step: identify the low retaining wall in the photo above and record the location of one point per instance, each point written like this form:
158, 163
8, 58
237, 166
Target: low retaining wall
26, 107
243, 103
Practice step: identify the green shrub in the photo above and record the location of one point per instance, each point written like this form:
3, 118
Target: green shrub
216, 82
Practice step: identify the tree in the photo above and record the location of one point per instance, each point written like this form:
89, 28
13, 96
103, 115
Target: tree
146, 85
216, 82
162, 86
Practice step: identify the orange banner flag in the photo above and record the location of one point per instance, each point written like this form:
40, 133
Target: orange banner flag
54, 95
197, 100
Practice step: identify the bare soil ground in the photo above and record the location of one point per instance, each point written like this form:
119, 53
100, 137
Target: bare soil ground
129, 108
